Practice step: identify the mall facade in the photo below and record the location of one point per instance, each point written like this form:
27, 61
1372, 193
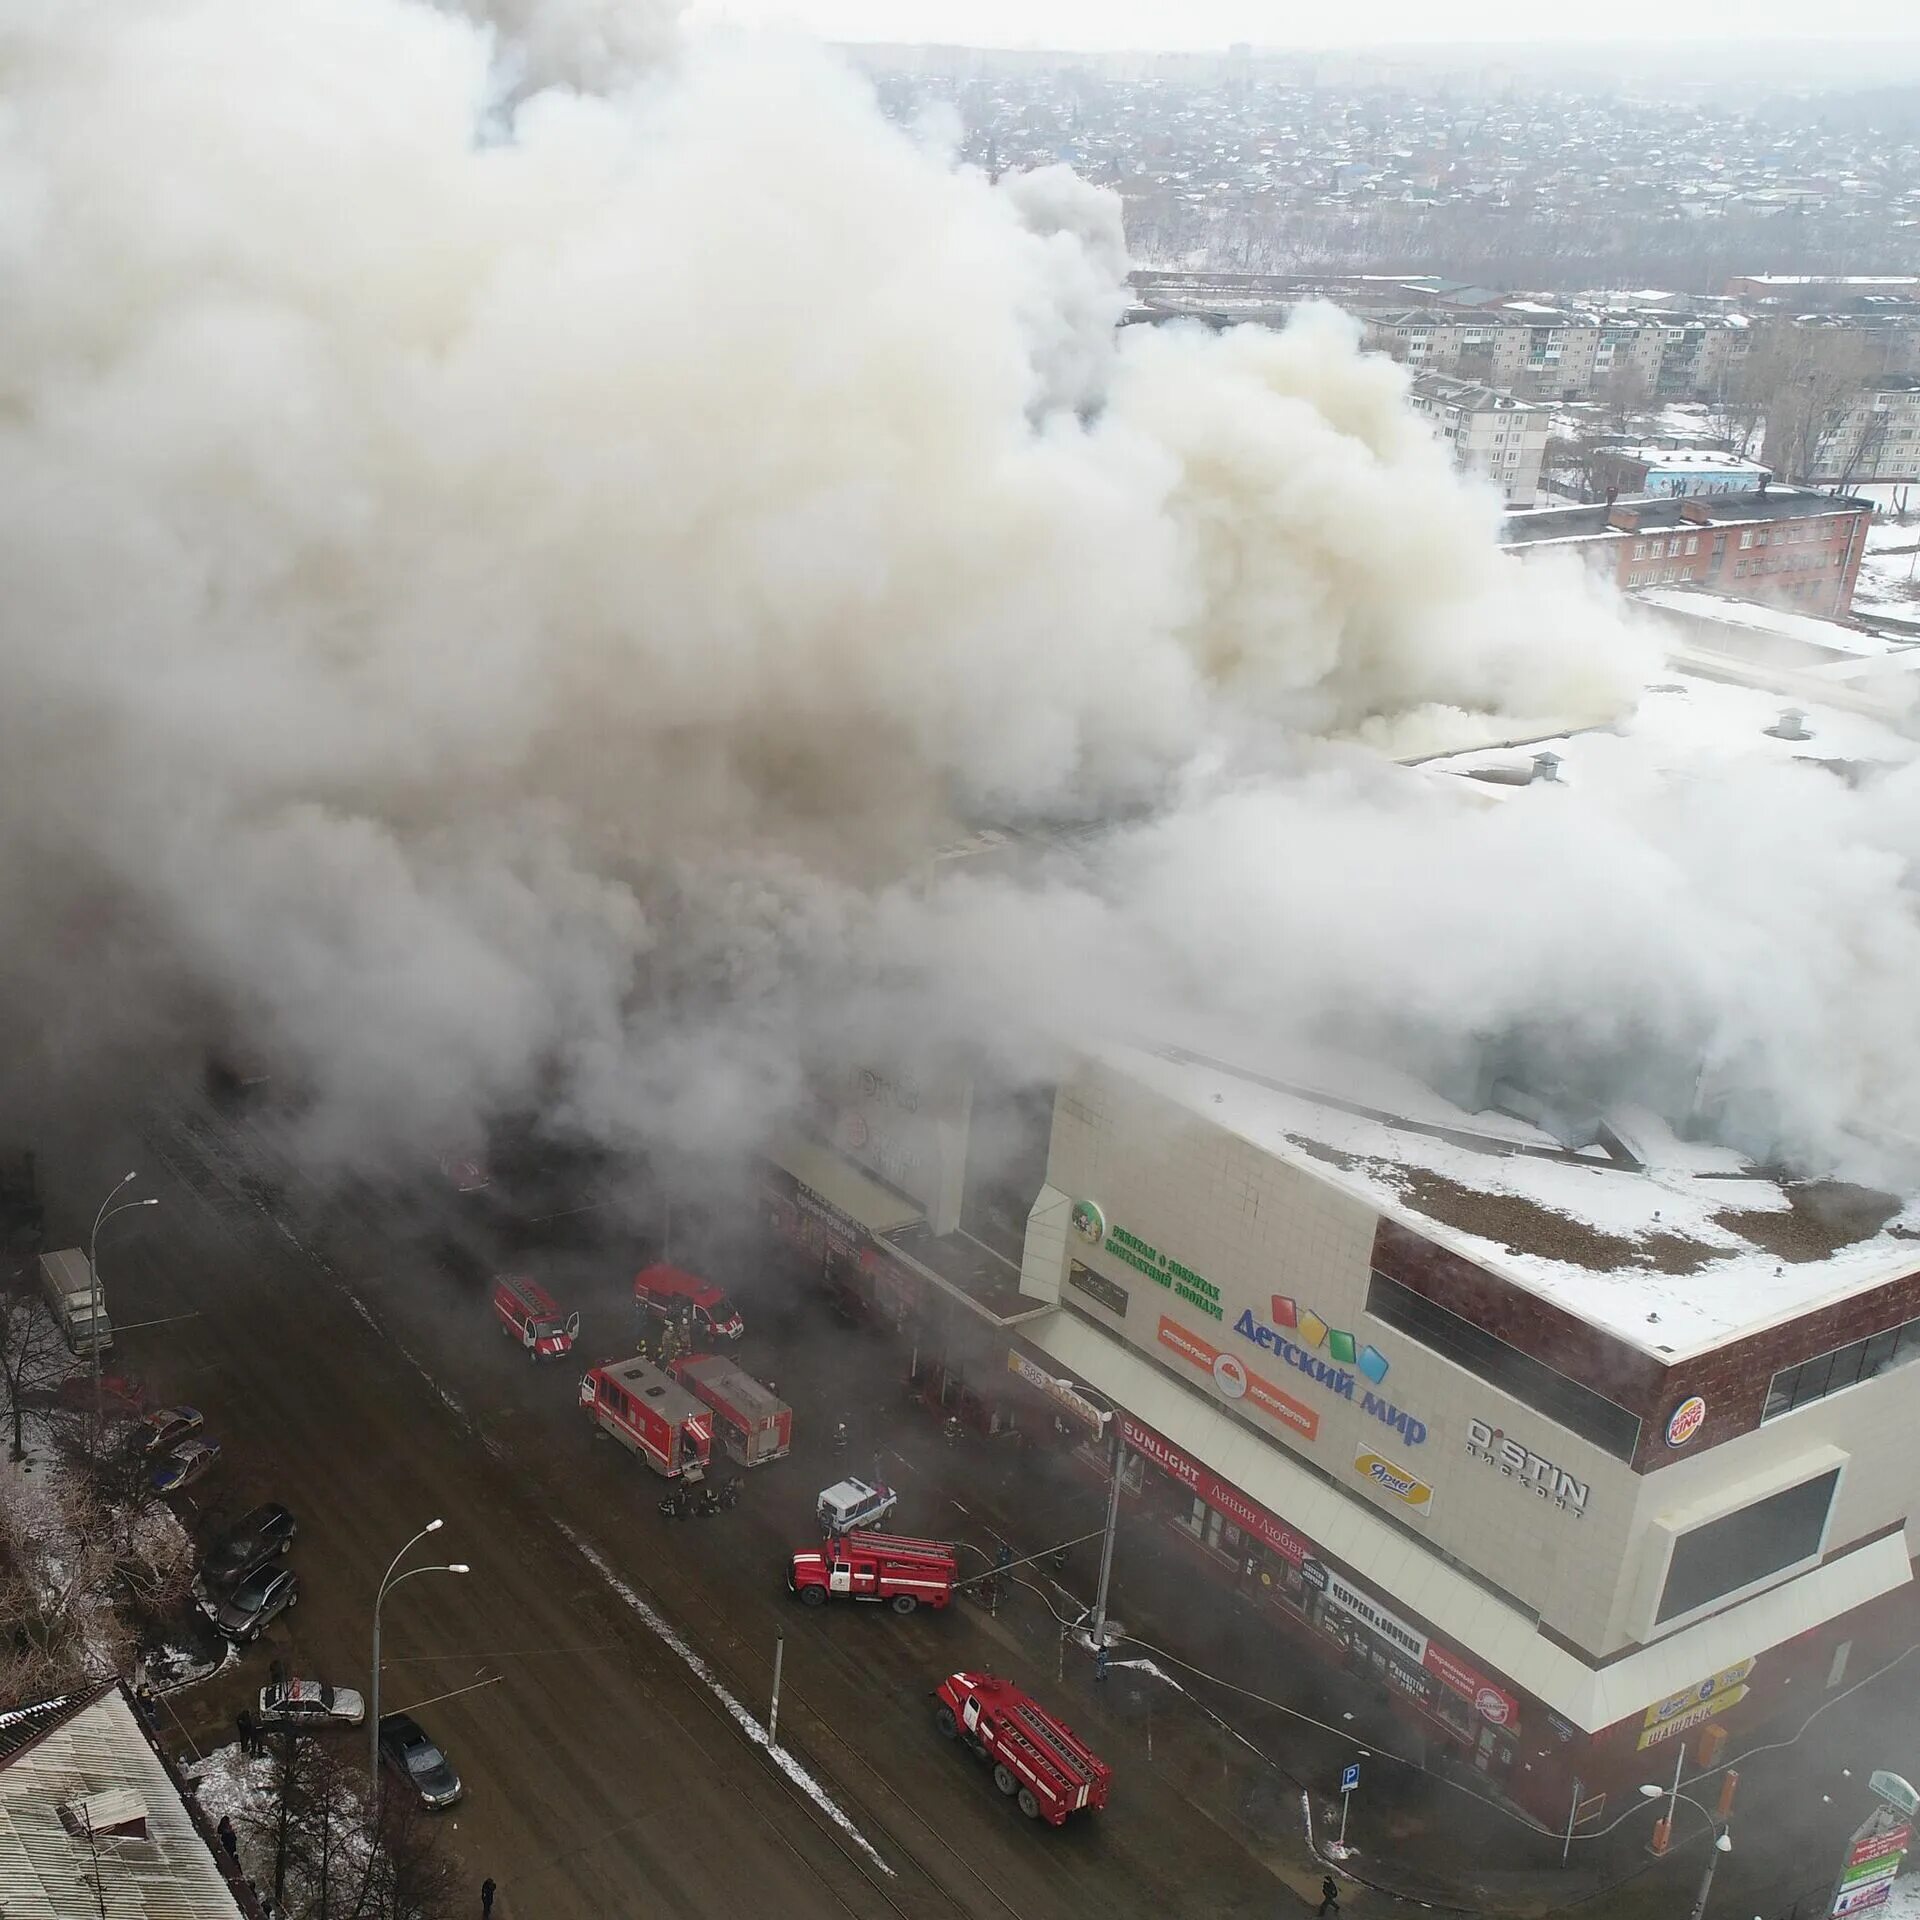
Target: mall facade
1581, 1442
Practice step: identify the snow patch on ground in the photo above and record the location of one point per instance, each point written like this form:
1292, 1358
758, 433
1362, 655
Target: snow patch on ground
755, 1731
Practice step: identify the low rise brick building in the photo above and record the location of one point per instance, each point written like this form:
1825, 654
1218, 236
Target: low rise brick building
1784, 546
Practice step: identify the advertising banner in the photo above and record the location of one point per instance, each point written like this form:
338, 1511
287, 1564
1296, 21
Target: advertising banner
1233, 1380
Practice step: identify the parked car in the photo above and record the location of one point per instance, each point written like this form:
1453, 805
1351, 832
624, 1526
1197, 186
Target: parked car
164, 1428
405, 1747
257, 1602
252, 1541
120, 1395
309, 1703
849, 1505
184, 1465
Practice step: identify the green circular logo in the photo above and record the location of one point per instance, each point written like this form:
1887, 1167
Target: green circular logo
1089, 1222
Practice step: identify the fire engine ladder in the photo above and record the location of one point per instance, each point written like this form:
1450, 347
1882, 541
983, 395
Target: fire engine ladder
1038, 1733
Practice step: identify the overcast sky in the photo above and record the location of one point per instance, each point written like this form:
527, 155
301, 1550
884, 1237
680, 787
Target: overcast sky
1217, 23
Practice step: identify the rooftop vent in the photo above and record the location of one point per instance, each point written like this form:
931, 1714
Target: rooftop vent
119, 1812
1792, 725
1546, 766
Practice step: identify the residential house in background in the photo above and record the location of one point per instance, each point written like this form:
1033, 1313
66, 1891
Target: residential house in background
1491, 433
1876, 436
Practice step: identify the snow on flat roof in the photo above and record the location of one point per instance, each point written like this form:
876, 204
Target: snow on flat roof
1689, 724
1671, 1246
1672, 1256
1691, 457
1828, 636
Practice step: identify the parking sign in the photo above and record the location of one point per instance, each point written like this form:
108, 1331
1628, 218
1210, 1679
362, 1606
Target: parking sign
1350, 1778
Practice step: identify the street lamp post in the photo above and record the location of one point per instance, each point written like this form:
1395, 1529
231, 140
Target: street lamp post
1722, 1836
1722, 1843
373, 1696
100, 1219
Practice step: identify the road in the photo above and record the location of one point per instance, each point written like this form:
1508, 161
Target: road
600, 1677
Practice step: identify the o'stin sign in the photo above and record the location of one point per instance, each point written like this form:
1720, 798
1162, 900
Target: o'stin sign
1685, 1421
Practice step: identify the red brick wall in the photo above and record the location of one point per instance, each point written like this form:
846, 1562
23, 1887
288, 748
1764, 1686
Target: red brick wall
1732, 1379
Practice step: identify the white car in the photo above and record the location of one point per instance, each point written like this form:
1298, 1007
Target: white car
310, 1703
850, 1504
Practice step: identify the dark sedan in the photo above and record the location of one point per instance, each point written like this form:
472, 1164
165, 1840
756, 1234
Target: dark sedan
253, 1540
259, 1600
405, 1747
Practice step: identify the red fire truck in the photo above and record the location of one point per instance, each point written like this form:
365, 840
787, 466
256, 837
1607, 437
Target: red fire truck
528, 1313
876, 1566
1039, 1760
664, 1293
651, 1415
753, 1424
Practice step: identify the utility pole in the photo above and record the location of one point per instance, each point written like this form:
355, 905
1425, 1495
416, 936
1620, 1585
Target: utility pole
1117, 1463
773, 1712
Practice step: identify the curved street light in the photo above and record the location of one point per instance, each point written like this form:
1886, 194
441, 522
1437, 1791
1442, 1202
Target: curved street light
1722, 1836
388, 1582
107, 1211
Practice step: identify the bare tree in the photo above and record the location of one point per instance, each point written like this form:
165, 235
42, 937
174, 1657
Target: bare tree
32, 1354
1805, 381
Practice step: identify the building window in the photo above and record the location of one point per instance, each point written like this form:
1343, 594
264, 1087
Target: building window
1673, 545
1747, 1545
1693, 543
1571, 1405
1746, 539
1845, 1366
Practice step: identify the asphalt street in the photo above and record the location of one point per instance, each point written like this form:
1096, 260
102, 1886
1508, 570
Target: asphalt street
601, 1677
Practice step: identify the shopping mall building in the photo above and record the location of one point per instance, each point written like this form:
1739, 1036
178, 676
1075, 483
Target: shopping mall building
1579, 1437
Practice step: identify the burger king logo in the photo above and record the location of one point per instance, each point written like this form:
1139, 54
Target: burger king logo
1686, 1421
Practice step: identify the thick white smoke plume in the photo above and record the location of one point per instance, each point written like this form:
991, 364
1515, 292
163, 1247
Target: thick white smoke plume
503, 579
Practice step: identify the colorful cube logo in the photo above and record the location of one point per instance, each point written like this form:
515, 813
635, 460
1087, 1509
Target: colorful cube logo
1342, 1348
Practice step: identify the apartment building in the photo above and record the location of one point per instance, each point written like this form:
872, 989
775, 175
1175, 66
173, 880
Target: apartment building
1543, 352
1783, 546
1490, 433
1876, 436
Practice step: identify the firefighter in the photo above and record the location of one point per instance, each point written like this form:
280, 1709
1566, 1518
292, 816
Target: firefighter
841, 1438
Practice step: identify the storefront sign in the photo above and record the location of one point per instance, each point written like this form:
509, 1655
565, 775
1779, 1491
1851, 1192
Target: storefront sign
1323, 1373
1492, 1703
1061, 1391
1227, 1501
1164, 1272
1877, 1846
1396, 1480
1685, 1421
1371, 1614
1096, 1286
1340, 1345
1874, 1857
1692, 1717
1525, 1468
1708, 1689
1865, 1873
1089, 1222
1852, 1900
1235, 1382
